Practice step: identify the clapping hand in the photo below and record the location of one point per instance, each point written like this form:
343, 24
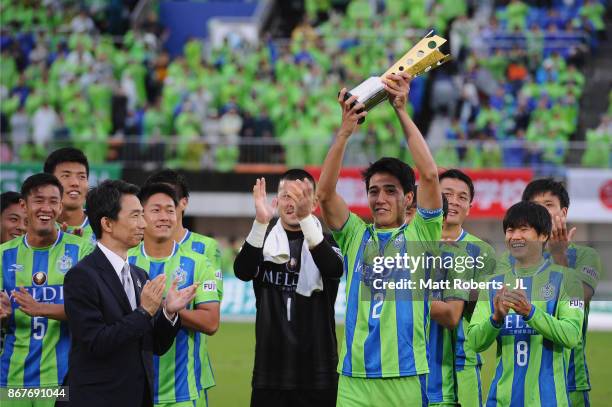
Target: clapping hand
263, 210
302, 194
177, 300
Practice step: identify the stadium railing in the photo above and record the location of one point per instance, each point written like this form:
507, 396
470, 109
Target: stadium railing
216, 153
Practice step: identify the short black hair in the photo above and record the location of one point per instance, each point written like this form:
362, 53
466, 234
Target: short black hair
541, 186
397, 168
39, 180
527, 213
297, 173
151, 189
461, 176
9, 198
105, 201
65, 155
168, 176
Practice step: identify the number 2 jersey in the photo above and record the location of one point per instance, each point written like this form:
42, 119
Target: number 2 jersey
530, 351
36, 349
386, 329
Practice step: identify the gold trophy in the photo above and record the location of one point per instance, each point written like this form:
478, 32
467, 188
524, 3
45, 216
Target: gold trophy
423, 57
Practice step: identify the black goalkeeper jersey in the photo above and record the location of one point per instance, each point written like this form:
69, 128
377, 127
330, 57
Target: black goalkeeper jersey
296, 345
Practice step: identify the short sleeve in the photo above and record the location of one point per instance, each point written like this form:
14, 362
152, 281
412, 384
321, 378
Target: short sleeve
208, 291
588, 265
351, 230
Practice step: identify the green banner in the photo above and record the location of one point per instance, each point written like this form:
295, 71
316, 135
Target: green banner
13, 175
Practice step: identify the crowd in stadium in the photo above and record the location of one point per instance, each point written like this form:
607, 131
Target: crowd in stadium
511, 97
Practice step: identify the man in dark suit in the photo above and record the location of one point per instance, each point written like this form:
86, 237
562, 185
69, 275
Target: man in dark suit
114, 310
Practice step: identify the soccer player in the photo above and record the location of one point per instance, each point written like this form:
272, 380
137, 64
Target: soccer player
32, 270
71, 168
384, 354
454, 375
584, 260
178, 373
12, 216
197, 243
533, 311
295, 272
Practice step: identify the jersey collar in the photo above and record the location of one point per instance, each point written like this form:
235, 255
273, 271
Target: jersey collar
144, 253
186, 237
60, 234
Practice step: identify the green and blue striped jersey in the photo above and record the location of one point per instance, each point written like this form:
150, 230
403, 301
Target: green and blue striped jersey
36, 348
386, 330
178, 373
586, 262
86, 231
210, 249
464, 259
530, 351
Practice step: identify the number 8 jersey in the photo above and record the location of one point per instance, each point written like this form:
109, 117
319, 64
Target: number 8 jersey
530, 364
36, 348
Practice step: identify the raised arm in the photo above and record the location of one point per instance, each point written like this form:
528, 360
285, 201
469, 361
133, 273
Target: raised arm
429, 196
333, 208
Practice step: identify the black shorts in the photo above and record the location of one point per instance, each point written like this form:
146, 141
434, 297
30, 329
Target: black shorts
293, 398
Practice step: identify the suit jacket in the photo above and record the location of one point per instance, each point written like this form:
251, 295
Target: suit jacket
111, 358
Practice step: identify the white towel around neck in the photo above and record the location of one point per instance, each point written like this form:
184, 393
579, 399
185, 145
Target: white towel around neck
276, 250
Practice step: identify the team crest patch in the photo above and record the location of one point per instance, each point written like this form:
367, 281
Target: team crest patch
180, 275
64, 264
547, 292
398, 242
14, 268
39, 278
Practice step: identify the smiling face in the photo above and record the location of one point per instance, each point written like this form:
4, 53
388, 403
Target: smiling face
524, 242
13, 222
73, 177
387, 201
42, 207
129, 227
457, 194
160, 215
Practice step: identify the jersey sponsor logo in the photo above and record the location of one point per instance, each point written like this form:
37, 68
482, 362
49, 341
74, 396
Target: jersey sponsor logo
209, 285
219, 274
39, 278
64, 264
590, 271
180, 275
53, 294
514, 324
576, 303
14, 268
547, 292
285, 280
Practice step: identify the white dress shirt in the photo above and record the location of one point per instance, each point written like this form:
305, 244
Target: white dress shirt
118, 263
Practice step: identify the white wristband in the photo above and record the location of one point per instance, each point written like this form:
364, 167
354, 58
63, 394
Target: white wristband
257, 234
312, 233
